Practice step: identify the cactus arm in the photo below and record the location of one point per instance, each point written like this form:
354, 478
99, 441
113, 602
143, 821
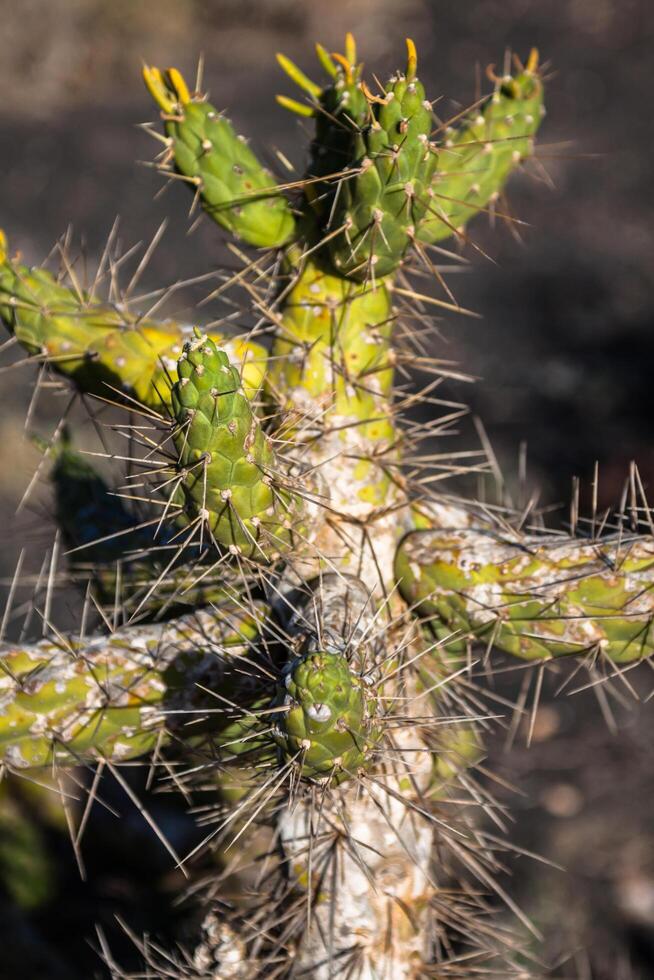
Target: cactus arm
233, 187
230, 476
107, 698
106, 350
476, 160
533, 598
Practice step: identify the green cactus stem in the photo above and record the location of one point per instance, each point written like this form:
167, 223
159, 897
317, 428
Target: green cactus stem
107, 350
533, 598
230, 477
476, 158
234, 188
76, 700
327, 726
331, 372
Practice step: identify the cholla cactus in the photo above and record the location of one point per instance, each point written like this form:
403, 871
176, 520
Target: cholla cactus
290, 609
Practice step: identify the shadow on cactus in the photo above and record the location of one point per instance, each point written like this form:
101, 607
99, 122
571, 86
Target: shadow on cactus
286, 607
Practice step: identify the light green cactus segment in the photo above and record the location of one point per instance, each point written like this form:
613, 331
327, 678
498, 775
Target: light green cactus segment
107, 697
331, 369
231, 477
235, 189
380, 208
106, 350
475, 160
533, 599
327, 724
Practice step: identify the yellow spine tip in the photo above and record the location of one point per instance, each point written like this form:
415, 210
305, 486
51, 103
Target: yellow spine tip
411, 59
179, 85
325, 60
532, 61
3, 246
344, 63
350, 48
293, 106
156, 86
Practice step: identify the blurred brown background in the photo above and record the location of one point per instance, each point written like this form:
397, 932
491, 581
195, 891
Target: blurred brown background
565, 350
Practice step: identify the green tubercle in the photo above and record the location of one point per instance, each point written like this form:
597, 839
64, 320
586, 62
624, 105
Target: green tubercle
327, 724
533, 599
230, 476
381, 204
235, 189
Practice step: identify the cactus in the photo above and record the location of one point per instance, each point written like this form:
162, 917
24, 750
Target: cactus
319, 680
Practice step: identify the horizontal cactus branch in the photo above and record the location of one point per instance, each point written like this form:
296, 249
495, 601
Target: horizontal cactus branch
234, 188
107, 350
77, 700
531, 597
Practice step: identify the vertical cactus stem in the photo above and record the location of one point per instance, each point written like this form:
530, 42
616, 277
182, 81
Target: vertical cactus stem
362, 829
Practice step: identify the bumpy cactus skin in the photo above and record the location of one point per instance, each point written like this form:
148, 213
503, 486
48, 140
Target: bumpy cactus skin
227, 462
106, 350
326, 723
322, 690
107, 698
475, 159
531, 598
234, 188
